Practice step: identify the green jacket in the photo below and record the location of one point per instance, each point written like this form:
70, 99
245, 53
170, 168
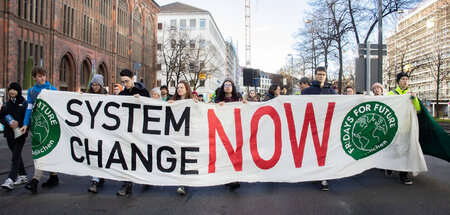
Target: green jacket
399, 91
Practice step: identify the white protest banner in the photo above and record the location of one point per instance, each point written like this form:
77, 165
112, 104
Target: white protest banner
287, 139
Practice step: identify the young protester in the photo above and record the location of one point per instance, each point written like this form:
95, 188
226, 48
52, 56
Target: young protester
252, 96
40, 77
117, 89
274, 91
228, 93
402, 88
96, 87
155, 93
194, 95
165, 93
349, 90
283, 91
11, 116
183, 91
377, 89
135, 89
320, 87
304, 83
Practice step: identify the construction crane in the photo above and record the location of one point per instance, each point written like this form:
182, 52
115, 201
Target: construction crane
248, 57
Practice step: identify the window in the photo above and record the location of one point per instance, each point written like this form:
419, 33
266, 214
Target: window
122, 28
202, 83
182, 24
137, 36
33, 11
202, 44
86, 29
26, 51
173, 24
84, 76
158, 66
193, 23
159, 46
159, 26
172, 83
68, 18
192, 44
202, 24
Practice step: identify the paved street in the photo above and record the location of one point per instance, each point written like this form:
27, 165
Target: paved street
368, 193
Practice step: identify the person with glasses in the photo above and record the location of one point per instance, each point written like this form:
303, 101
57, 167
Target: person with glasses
135, 89
228, 93
320, 87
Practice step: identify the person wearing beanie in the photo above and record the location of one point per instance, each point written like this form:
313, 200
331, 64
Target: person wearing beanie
117, 89
155, 93
40, 77
194, 95
96, 85
15, 107
377, 89
402, 88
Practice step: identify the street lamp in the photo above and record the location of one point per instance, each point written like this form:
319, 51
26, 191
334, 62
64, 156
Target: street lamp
292, 72
312, 48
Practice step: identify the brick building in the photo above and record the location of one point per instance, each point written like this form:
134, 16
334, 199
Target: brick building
69, 38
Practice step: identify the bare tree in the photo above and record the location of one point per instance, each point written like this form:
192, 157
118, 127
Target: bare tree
174, 54
201, 62
364, 15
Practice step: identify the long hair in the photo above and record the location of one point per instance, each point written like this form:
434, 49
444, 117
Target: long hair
221, 94
101, 91
272, 89
188, 91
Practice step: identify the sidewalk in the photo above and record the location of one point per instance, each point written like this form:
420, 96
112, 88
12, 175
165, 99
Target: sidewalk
5, 155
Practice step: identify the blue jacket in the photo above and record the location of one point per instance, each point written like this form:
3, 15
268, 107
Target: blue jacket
315, 89
32, 96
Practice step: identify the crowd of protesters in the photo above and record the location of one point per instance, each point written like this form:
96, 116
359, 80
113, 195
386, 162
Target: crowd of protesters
15, 115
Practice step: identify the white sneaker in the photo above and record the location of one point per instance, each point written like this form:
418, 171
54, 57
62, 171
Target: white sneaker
9, 184
181, 190
21, 179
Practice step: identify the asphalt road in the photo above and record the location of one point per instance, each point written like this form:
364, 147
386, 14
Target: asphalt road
371, 192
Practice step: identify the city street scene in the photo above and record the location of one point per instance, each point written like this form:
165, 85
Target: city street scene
225, 107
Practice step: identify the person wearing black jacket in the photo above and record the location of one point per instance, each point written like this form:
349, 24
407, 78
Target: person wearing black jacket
132, 88
320, 87
15, 107
135, 89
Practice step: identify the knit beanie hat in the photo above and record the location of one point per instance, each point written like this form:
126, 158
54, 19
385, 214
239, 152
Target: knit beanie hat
16, 86
401, 75
97, 78
157, 90
377, 85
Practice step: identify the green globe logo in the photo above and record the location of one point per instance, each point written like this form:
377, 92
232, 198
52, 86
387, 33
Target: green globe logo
367, 129
45, 130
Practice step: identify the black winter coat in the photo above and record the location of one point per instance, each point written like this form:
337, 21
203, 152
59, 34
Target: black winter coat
315, 89
139, 88
16, 108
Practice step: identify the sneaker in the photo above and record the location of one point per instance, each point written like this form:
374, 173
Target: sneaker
32, 185
52, 181
8, 185
93, 187
234, 186
388, 172
125, 189
181, 190
21, 179
405, 180
324, 186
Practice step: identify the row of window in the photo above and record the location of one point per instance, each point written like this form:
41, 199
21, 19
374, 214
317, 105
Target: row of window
28, 50
33, 11
183, 24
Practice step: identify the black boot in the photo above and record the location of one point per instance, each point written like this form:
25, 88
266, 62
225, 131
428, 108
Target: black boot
32, 185
125, 189
93, 187
52, 181
234, 186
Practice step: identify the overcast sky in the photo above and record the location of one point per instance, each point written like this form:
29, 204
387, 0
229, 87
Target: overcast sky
273, 24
